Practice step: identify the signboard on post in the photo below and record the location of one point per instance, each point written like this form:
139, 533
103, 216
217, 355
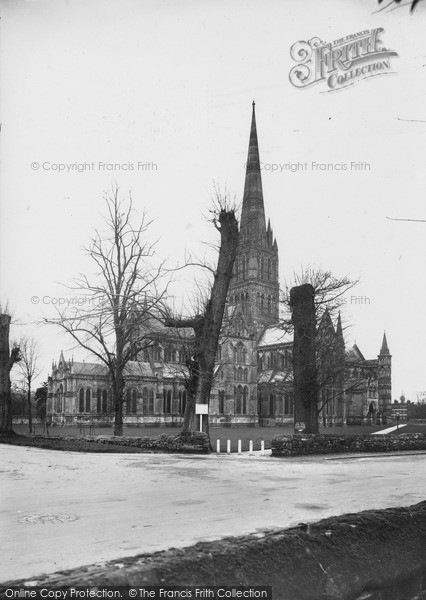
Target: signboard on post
201, 409
299, 426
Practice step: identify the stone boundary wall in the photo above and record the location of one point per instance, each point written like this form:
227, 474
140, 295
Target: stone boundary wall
338, 558
303, 444
190, 443
193, 442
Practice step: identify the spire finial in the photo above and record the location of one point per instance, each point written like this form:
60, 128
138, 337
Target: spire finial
253, 212
339, 330
385, 348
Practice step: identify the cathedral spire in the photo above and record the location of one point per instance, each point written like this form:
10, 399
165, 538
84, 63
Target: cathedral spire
384, 349
253, 211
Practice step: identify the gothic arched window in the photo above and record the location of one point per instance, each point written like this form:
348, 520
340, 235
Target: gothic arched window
59, 399
131, 401
156, 353
104, 401
151, 402
145, 408
88, 394
81, 401
244, 268
221, 402
286, 404
167, 396
271, 405
182, 402
245, 400
238, 399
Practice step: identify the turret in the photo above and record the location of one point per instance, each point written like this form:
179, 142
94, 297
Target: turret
384, 376
339, 333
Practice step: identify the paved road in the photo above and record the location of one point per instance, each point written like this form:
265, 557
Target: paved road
127, 504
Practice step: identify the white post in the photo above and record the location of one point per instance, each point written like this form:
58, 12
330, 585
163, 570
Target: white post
239, 446
262, 448
218, 446
251, 448
228, 447
201, 422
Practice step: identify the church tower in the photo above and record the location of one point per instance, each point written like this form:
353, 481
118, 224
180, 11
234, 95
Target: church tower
254, 288
252, 304
384, 377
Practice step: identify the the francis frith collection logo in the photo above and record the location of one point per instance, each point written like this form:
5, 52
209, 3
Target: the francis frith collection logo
342, 62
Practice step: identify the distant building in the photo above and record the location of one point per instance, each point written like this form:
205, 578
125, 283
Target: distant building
399, 410
253, 378
421, 397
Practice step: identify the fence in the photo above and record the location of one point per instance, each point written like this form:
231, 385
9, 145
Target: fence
243, 445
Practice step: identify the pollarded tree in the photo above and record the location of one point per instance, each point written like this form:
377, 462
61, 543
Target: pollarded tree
114, 320
318, 352
8, 358
207, 323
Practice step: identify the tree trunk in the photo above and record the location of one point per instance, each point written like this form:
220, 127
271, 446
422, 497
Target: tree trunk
7, 360
117, 376
304, 357
118, 398
192, 388
118, 421
207, 326
30, 417
209, 333
188, 417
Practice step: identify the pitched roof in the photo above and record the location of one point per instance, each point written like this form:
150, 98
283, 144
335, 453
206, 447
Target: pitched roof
86, 368
133, 369
273, 376
273, 336
354, 354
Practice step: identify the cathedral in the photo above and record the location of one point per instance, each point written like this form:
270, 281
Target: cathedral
253, 383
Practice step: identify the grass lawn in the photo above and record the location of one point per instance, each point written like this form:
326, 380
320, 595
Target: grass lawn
245, 434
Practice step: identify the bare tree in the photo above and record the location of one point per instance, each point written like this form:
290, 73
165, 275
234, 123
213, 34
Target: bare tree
29, 371
329, 292
207, 323
19, 401
8, 358
325, 373
114, 321
411, 3
40, 397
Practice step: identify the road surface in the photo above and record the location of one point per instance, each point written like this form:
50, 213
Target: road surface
61, 510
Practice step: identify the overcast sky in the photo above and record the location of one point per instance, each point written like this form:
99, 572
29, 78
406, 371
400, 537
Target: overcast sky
171, 83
